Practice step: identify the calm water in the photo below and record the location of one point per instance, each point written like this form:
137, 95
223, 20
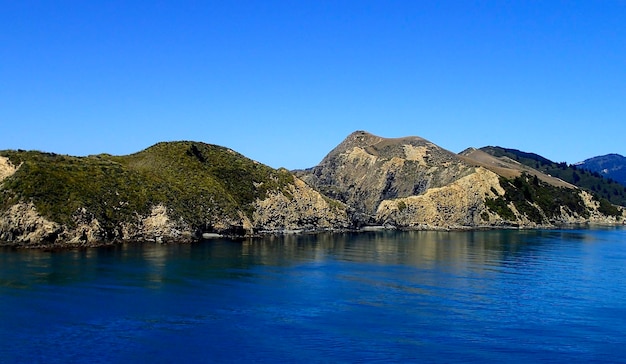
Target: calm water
493, 296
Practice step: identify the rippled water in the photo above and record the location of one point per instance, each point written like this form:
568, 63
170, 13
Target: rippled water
484, 296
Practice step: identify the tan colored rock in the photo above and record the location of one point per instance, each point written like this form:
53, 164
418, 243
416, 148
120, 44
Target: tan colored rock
85, 232
7, 169
365, 170
22, 224
460, 203
157, 226
301, 209
157, 222
595, 216
416, 153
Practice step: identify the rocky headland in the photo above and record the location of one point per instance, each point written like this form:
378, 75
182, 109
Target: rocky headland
184, 191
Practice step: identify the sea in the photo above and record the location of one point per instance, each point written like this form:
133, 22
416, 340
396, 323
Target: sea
496, 296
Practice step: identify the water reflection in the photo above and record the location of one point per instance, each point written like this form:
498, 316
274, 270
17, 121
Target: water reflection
478, 251
417, 248
481, 296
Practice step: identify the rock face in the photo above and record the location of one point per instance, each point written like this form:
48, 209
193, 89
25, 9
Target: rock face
461, 203
7, 169
301, 208
365, 170
412, 183
21, 223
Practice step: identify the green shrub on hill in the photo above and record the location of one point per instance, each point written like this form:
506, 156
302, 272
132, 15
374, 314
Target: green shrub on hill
592, 181
499, 205
538, 201
196, 181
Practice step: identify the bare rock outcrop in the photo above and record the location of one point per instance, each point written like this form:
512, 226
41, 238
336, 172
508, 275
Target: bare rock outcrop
365, 170
157, 226
412, 183
22, 224
302, 208
7, 168
596, 217
182, 191
461, 203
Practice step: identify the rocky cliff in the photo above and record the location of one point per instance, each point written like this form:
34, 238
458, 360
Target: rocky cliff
365, 170
412, 183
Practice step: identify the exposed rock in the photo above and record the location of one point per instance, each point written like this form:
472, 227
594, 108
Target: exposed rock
157, 226
596, 217
87, 230
7, 169
365, 170
183, 191
22, 224
301, 209
460, 203
412, 183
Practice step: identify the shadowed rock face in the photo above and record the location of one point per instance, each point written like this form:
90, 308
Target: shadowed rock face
365, 170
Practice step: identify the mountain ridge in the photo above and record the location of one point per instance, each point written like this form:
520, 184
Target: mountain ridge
184, 191
573, 174
421, 185
609, 165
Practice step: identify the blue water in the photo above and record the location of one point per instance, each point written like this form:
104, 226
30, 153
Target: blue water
484, 296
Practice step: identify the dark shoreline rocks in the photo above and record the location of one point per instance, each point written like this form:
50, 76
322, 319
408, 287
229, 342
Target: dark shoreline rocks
63, 246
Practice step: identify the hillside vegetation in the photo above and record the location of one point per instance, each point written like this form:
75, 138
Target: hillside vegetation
602, 188
610, 166
196, 182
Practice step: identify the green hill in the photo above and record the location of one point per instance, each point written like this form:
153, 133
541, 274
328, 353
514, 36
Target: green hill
196, 181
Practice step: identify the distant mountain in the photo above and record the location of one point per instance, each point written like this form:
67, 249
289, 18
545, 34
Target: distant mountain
610, 166
575, 174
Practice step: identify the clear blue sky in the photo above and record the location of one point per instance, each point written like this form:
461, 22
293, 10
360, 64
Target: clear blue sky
283, 82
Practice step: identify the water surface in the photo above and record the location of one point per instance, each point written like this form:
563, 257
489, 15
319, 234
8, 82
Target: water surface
483, 296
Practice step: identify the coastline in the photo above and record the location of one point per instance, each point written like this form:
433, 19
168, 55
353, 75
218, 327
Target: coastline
207, 237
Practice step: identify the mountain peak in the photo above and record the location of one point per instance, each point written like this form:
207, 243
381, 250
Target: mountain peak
366, 169
374, 145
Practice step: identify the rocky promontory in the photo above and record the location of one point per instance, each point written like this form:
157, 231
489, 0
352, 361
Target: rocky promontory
184, 191
178, 191
412, 183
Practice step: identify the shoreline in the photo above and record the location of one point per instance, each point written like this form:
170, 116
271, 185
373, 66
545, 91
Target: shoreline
207, 237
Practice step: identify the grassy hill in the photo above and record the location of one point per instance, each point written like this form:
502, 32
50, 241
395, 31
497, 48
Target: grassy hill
196, 181
591, 181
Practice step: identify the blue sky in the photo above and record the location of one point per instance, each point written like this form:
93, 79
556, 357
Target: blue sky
283, 82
